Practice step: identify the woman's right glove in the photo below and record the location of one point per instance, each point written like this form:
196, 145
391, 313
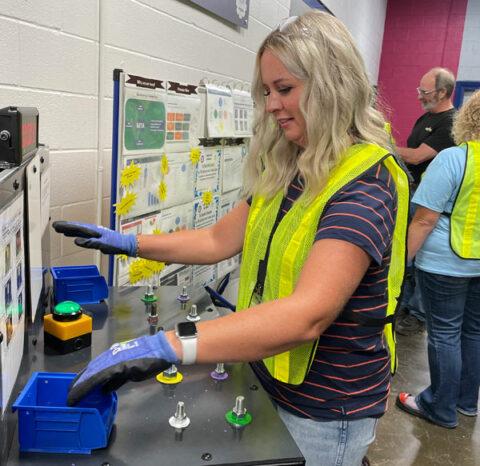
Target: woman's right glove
134, 360
98, 237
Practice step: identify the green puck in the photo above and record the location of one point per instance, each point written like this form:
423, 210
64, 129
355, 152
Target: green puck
238, 421
149, 298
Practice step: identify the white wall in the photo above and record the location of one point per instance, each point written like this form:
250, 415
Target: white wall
58, 55
365, 20
469, 66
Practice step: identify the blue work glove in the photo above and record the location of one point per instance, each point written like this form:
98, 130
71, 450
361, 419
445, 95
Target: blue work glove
133, 360
98, 237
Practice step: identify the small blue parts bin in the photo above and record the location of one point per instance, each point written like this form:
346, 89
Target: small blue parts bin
47, 425
82, 284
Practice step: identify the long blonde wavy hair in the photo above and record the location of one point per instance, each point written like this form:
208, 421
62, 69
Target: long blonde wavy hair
466, 125
337, 104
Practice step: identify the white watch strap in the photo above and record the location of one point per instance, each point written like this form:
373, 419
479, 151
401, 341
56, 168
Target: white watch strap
189, 348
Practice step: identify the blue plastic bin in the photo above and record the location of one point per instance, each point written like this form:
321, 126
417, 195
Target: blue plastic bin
47, 425
82, 284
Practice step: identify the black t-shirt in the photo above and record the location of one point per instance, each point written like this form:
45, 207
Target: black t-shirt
433, 129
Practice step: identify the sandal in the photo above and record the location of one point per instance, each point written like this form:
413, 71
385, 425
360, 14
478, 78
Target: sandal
402, 403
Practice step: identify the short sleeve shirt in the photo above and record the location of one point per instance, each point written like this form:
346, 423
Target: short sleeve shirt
438, 191
433, 129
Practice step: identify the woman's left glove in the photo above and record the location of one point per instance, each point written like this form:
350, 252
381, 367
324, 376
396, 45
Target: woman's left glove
98, 237
133, 360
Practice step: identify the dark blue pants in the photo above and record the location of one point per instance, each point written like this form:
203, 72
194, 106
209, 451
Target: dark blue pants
452, 308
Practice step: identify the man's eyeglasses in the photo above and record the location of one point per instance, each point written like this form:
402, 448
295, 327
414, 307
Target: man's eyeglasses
423, 92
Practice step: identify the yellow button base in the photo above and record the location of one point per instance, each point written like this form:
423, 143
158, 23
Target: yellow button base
67, 330
169, 380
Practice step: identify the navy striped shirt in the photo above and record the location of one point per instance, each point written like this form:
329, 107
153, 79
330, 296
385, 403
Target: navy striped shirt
350, 374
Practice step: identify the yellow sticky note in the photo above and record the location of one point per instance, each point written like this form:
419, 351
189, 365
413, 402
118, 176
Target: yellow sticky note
207, 197
164, 164
162, 190
125, 204
158, 266
135, 272
195, 155
130, 174
152, 267
145, 268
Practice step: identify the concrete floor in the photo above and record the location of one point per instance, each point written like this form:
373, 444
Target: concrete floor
404, 440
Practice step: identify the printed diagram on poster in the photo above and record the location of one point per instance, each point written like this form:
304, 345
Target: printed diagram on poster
205, 214
178, 177
242, 112
183, 106
219, 111
144, 175
144, 121
12, 297
203, 275
207, 171
232, 167
170, 220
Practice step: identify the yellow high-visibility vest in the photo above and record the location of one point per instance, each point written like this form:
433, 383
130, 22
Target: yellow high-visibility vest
465, 216
293, 240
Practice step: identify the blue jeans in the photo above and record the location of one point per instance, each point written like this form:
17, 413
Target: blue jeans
452, 306
331, 443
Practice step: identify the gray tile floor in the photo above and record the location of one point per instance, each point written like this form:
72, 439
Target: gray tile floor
404, 440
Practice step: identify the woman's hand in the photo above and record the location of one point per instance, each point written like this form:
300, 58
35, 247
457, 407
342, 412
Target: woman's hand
98, 237
133, 360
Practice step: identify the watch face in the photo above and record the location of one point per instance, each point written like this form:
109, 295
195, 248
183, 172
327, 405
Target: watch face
186, 329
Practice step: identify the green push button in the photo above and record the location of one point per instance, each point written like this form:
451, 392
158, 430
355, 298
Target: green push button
67, 310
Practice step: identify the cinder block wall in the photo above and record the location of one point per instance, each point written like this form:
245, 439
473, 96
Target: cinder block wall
58, 55
419, 35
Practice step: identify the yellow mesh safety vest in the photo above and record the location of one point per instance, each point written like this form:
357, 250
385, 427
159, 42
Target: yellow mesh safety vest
465, 217
293, 240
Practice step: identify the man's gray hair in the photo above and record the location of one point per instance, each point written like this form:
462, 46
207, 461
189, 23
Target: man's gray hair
444, 79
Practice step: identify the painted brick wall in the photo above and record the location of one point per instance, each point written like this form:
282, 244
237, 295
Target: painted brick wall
418, 36
58, 55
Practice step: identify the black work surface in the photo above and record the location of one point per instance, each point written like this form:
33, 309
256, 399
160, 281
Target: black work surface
141, 434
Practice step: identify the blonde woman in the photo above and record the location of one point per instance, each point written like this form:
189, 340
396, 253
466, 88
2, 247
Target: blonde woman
445, 238
322, 233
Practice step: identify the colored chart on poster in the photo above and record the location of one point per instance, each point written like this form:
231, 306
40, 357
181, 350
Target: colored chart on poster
219, 112
146, 187
144, 124
243, 112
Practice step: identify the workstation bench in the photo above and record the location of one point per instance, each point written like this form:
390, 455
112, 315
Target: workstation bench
141, 434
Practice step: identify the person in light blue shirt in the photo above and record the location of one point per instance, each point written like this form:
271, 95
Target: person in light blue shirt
437, 192
449, 285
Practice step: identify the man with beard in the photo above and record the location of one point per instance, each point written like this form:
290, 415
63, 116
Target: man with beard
430, 134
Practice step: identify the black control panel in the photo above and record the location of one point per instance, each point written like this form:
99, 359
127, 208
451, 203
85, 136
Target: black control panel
18, 134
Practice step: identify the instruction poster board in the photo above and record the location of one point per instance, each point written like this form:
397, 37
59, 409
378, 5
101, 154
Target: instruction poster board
12, 296
167, 177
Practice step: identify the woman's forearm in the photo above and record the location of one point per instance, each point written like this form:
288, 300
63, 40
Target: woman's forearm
181, 247
421, 226
203, 246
